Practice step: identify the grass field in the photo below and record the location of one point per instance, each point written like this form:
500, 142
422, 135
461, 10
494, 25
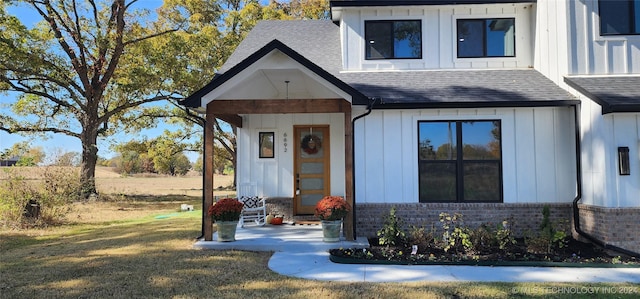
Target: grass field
141, 247
110, 182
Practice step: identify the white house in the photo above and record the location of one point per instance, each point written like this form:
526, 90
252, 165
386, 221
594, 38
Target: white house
487, 108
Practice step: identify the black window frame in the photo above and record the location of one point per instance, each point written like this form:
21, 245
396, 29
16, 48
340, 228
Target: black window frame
460, 163
630, 9
392, 22
484, 38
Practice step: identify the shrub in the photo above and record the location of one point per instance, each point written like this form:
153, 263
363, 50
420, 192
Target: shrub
391, 234
505, 237
483, 239
55, 188
455, 235
421, 237
549, 237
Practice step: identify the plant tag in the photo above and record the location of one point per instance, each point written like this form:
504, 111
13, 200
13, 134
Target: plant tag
414, 249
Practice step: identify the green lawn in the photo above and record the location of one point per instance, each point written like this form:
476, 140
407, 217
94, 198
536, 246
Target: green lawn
118, 249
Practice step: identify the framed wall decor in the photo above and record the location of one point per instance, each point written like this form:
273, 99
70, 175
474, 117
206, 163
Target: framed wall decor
267, 144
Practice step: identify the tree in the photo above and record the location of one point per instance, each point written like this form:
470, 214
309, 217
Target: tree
26, 154
167, 154
79, 69
238, 17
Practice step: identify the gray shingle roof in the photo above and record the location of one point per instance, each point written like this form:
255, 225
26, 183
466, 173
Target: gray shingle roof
316, 40
524, 85
613, 93
319, 42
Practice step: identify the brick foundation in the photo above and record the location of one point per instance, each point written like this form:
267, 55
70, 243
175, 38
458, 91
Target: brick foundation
613, 226
280, 206
523, 217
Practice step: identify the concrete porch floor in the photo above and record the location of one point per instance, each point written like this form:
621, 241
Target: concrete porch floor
285, 237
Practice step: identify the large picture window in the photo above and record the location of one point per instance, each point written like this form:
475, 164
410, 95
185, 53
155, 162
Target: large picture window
486, 38
393, 39
460, 161
619, 17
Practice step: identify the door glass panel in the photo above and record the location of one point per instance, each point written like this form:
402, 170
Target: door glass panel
311, 184
312, 168
310, 199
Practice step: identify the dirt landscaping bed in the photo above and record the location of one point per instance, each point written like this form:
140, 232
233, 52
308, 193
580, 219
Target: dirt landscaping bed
573, 254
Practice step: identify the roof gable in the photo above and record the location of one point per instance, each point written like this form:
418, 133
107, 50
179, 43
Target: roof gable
195, 100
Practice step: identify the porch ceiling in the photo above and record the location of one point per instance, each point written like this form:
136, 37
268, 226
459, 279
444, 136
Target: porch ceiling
272, 84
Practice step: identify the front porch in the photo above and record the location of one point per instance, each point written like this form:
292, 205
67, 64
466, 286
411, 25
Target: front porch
285, 237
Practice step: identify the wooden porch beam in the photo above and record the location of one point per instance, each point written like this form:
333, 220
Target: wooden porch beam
233, 119
208, 173
349, 221
280, 106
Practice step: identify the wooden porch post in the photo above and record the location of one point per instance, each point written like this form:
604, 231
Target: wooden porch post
208, 173
349, 222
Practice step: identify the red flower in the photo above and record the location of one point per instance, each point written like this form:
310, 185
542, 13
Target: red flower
332, 208
226, 209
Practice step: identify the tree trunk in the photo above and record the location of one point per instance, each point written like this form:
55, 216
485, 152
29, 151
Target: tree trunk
89, 138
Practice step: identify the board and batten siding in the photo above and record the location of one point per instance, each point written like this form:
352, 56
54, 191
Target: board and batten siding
438, 36
538, 153
594, 54
601, 137
274, 177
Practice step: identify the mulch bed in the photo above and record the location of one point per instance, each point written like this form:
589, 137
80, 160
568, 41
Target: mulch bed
575, 253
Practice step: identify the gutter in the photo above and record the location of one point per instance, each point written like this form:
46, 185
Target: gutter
576, 212
372, 101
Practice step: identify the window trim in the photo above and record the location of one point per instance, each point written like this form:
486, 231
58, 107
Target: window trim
393, 21
632, 18
484, 18
459, 161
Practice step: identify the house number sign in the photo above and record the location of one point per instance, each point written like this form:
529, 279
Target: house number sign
284, 141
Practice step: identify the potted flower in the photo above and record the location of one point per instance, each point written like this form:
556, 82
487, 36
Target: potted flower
226, 214
331, 210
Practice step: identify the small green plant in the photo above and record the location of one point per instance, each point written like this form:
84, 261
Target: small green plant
505, 237
391, 234
549, 237
421, 237
483, 238
455, 235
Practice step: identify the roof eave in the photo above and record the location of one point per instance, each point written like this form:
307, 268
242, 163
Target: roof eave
500, 104
364, 3
606, 107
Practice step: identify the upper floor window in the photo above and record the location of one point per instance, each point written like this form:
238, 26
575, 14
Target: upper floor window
393, 39
486, 38
460, 161
619, 17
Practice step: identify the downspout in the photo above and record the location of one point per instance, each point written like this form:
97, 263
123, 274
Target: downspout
576, 212
372, 101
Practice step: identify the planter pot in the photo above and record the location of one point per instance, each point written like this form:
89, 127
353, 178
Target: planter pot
227, 230
331, 230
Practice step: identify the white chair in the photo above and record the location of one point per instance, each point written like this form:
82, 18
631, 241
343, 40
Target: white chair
255, 209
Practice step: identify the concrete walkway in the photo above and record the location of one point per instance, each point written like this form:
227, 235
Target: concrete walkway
300, 252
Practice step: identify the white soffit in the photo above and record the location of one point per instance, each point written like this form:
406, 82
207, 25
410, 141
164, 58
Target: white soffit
267, 79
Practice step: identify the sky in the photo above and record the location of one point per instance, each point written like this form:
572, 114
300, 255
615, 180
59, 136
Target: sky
59, 142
